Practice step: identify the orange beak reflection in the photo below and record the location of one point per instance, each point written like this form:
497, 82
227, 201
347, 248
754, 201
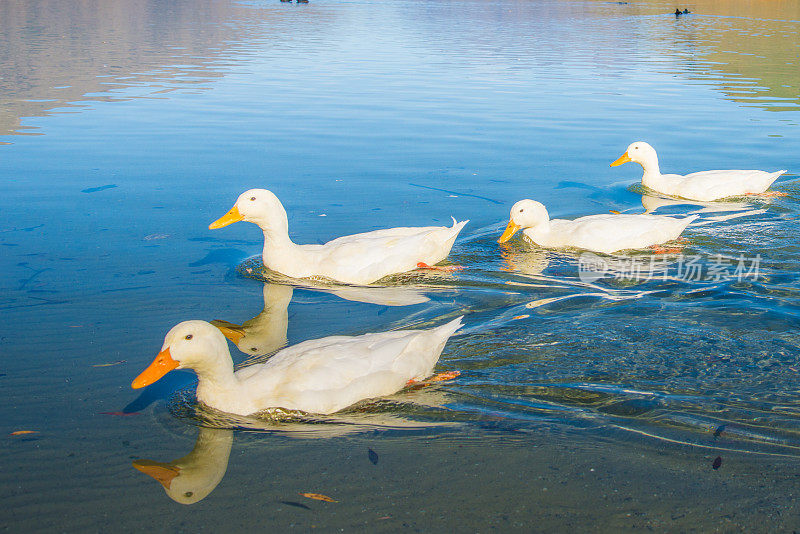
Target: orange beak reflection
229, 218
162, 365
234, 332
511, 229
163, 473
625, 158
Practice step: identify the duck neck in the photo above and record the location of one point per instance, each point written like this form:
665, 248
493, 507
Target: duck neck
213, 447
651, 176
541, 229
277, 243
215, 375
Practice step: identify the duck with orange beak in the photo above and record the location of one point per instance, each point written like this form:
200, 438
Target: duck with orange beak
358, 259
317, 376
704, 185
605, 233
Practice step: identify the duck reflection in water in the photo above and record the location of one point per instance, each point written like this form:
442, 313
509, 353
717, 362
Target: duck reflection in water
192, 478
523, 259
728, 209
266, 332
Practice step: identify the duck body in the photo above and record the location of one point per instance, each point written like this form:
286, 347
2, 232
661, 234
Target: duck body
712, 185
605, 233
367, 257
704, 185
319, 376
358, 259
609, 233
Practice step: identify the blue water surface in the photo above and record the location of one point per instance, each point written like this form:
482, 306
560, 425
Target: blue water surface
128, 127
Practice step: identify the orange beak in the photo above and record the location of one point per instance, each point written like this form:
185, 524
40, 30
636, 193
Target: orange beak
625, 158
231, 331
164, 473
511, 229
229, 218
162, 365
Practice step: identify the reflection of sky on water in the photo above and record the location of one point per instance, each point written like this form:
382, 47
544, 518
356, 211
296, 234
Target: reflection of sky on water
56, 55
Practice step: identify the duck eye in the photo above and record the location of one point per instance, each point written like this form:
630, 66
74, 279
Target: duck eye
190, 336
521, 210
252, 198
253, 349
636, 148
188, 494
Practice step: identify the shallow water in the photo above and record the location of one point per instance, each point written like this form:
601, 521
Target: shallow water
587, 399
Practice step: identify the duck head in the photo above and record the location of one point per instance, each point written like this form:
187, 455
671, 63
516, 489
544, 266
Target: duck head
525, 214
258, 206
189, 345
638, 152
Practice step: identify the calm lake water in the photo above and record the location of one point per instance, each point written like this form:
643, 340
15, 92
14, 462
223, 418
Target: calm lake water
617, 402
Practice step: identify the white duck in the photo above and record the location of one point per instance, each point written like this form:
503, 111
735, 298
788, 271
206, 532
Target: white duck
355, 259
190, 479
317, 376
599, 233
704, 185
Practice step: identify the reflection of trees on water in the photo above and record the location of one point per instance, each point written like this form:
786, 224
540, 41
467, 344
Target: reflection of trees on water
53, 54
756, 47
56, 53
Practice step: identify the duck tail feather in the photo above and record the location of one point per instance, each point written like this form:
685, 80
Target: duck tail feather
452, 326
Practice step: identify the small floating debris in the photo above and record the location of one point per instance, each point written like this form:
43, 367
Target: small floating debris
99, 188
318, 496
717, 462
22, 432
109, 364
373, 456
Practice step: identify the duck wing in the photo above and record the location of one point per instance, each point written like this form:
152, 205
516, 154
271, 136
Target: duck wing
717, 184
328, 374
610, 233
367, 257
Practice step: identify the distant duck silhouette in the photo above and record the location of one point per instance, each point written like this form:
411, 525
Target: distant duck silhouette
686, 11
286, 1
302, 1
678, 12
